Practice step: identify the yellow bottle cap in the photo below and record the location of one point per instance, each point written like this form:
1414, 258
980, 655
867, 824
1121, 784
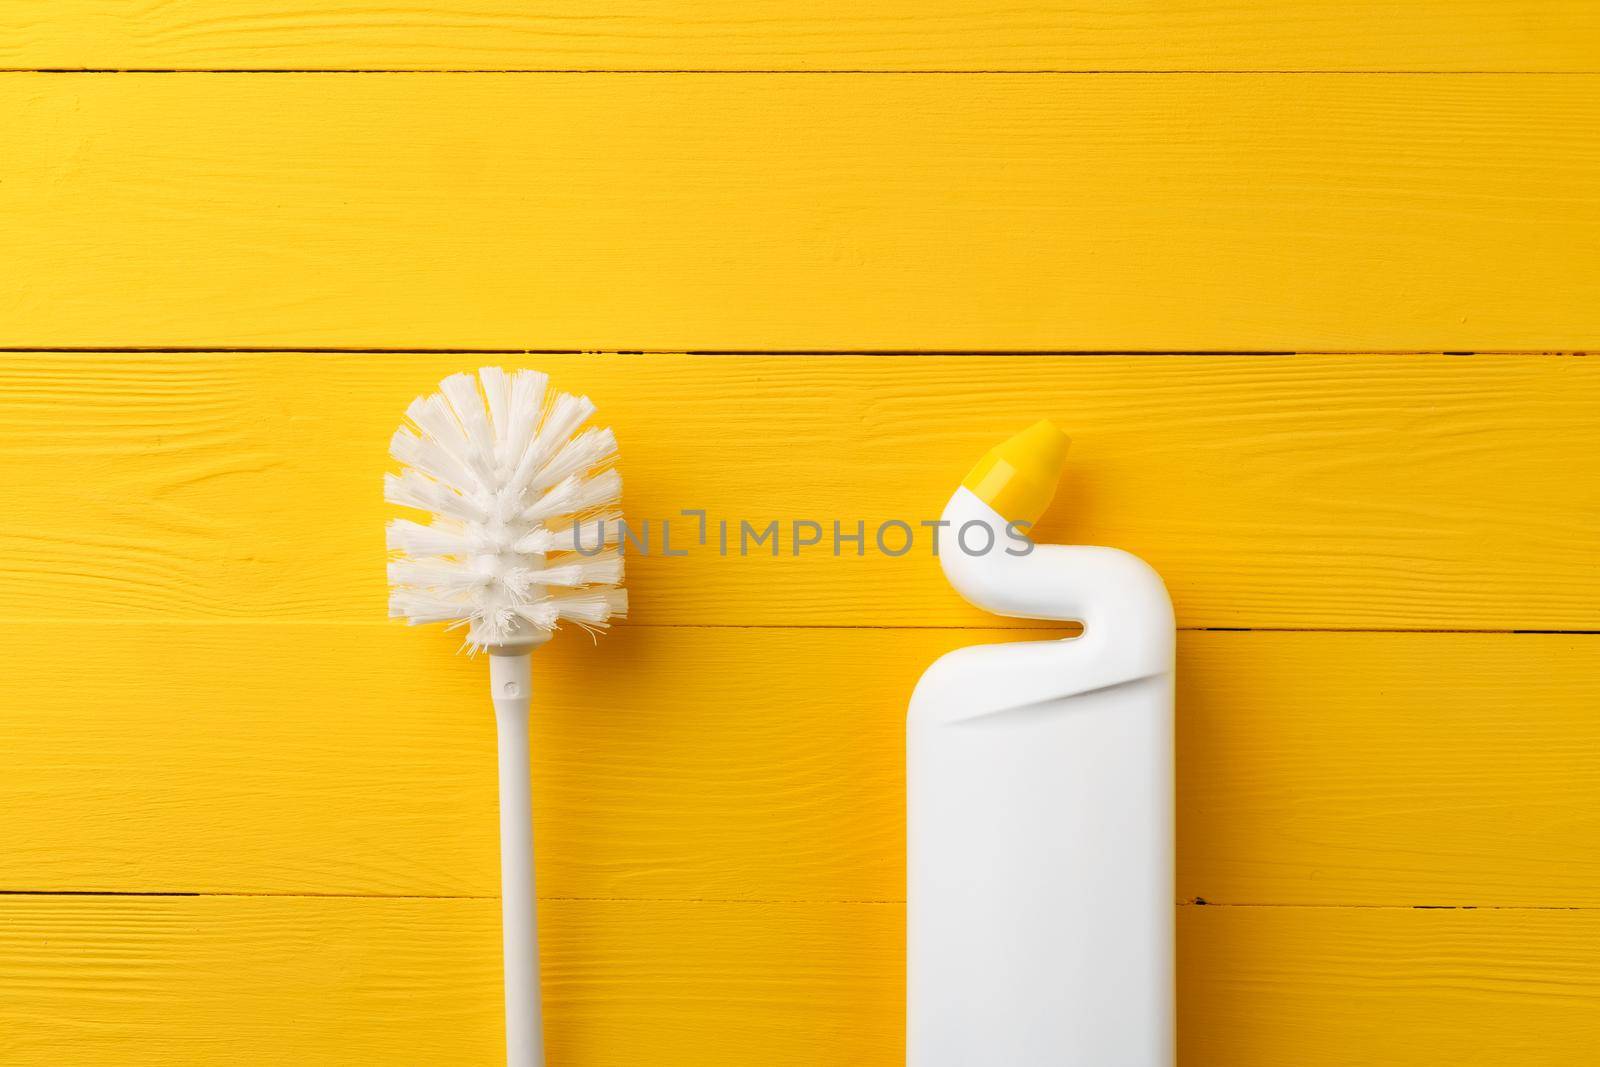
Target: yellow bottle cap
1019, 475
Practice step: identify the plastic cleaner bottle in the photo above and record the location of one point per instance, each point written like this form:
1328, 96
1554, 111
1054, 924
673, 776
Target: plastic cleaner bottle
1039, 794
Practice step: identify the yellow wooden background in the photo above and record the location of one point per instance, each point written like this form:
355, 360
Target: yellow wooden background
1310, 282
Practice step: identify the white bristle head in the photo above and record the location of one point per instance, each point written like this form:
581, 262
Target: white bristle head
413, 450
527, 403
578, 535
461, 390
497, 392
570, 570
593, 609
575, 494
564, 415
413, 489
440, 538
438, 425
505, 482
590, 449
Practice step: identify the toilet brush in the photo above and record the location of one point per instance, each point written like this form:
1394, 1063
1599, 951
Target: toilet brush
521, 536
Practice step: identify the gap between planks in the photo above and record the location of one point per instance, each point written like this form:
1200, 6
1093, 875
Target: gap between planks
1197, 902
944, 72
821, 353
179, 620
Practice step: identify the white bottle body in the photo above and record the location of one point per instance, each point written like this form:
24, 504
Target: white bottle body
1039, 822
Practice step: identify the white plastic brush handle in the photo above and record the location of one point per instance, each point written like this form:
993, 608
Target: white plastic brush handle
510, 675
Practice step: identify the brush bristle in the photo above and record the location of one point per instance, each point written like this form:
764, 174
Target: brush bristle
506, 478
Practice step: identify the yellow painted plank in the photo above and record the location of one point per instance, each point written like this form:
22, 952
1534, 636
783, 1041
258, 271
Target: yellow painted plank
1332, 987
1309, 491
272, 980
1441, 35
834, 211
1389, 769
239, 980
766, 764
251, 980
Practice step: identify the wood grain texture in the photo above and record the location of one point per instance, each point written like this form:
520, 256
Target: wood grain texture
1334, 987
1389, 769
751, 764
133, 982
248, 980
1314, 491
795, 212
273, 980
1441, 35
